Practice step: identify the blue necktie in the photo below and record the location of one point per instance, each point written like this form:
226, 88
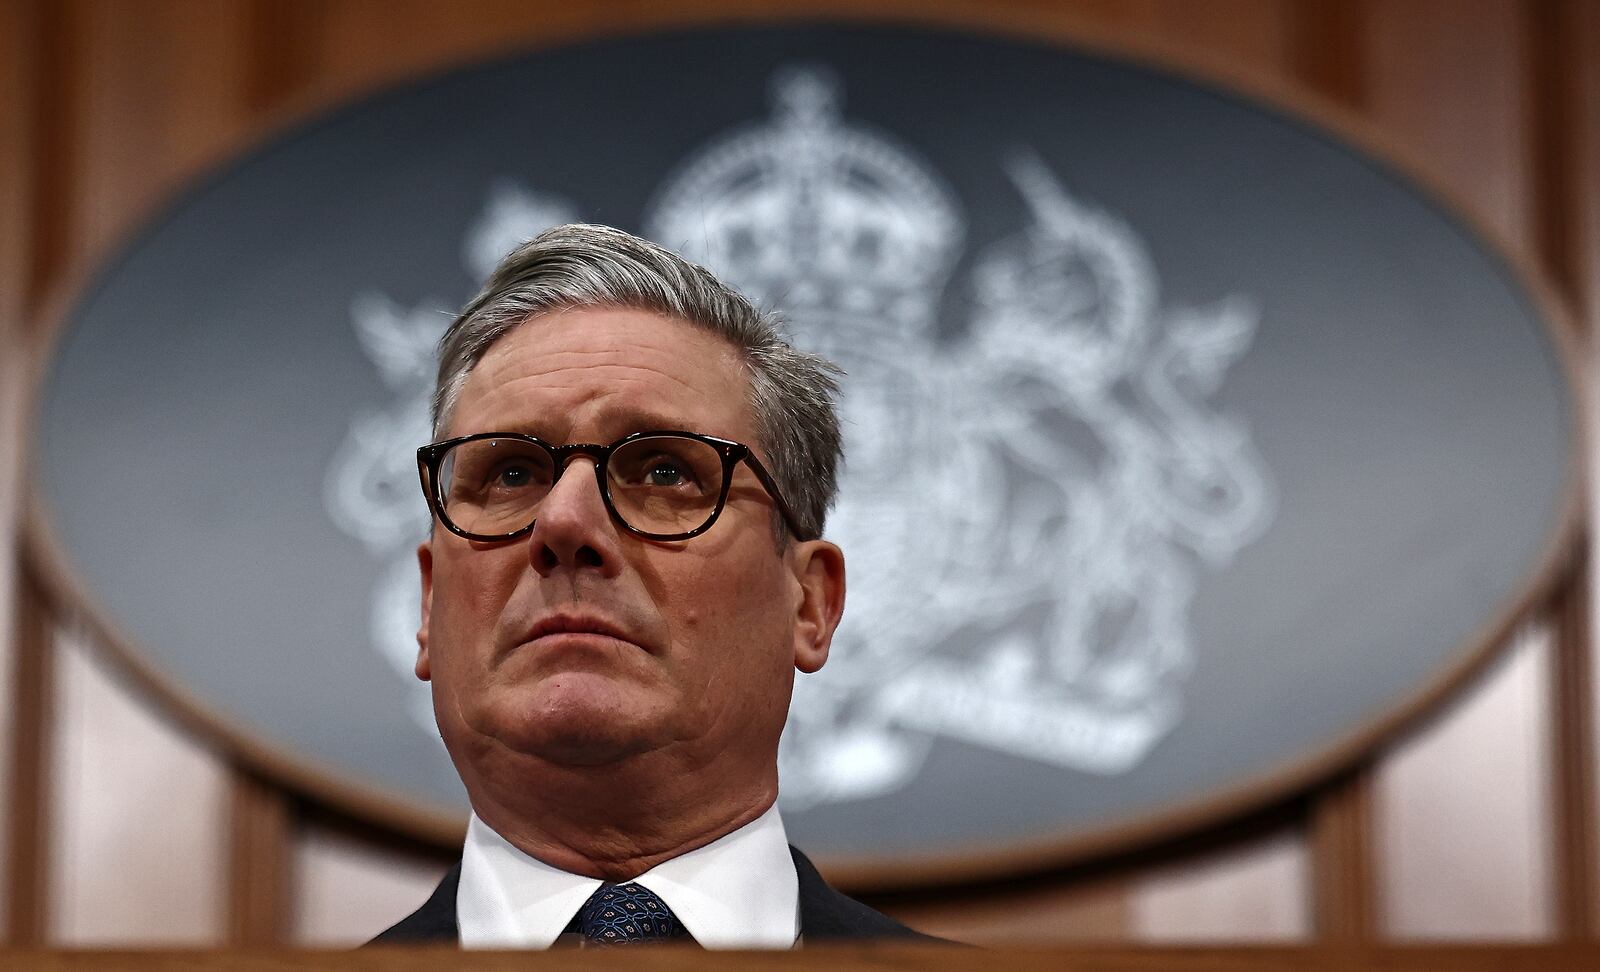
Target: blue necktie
627, 914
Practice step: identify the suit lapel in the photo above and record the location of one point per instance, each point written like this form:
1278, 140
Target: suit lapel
435, 921
826, 914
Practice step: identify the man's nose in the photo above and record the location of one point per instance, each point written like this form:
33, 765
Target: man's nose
572, 528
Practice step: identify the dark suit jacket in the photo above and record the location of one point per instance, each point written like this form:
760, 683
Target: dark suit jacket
825, 914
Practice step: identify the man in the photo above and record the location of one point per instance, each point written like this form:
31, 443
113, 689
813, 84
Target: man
629, 478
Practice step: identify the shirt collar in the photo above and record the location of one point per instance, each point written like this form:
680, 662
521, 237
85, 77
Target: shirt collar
739, 891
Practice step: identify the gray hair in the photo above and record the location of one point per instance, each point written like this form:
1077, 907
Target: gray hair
792, 392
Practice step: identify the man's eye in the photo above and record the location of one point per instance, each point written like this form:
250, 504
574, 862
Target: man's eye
664, 472
512, 476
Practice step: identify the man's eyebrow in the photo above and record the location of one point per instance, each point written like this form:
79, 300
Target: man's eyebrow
616, 423
638, 420
533, 427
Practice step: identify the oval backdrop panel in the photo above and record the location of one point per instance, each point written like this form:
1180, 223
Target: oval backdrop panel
1184, 440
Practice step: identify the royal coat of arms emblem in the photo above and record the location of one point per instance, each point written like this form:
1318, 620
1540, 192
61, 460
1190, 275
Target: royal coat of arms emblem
1028, 497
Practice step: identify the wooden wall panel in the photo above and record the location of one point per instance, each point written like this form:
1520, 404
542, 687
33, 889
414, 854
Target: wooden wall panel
159, 92
1252, 35
1571, 680
1254, 893
29, 872
23, 105
1564, 104
1345, 903
1582, 61
1038, 913
1461, 856
1332, 49
17, 105
1449, 84
150, 92
138, 853
258, 862
45, 34
347, 889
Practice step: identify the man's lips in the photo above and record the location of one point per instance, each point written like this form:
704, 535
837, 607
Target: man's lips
556, 625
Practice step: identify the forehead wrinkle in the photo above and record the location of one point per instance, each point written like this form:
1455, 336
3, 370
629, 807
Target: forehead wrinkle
504, 356
595, 383
577, 384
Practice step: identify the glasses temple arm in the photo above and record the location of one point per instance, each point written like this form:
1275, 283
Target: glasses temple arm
771, 487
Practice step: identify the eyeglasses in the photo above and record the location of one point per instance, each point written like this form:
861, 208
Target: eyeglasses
658, 485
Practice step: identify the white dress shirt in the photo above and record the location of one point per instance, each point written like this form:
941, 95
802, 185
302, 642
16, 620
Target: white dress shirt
739, 891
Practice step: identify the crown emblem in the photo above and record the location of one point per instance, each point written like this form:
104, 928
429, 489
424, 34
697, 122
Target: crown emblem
844, 227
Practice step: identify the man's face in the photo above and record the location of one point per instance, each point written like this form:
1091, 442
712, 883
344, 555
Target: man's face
700, 638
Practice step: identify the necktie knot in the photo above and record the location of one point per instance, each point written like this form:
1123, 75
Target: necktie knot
627, 914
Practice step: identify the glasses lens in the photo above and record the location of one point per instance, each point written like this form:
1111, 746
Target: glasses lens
665, 484
491, 487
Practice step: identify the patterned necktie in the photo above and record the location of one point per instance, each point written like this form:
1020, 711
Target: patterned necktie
627, 914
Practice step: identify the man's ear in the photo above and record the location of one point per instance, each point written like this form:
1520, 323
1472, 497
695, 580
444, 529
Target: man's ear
819, 567
425, 562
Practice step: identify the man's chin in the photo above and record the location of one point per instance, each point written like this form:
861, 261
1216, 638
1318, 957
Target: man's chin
578, 724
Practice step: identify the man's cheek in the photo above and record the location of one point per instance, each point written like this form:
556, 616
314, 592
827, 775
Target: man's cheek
470, 602
455, 631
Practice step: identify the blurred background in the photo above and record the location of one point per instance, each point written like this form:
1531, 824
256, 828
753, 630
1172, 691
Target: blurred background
128, 823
